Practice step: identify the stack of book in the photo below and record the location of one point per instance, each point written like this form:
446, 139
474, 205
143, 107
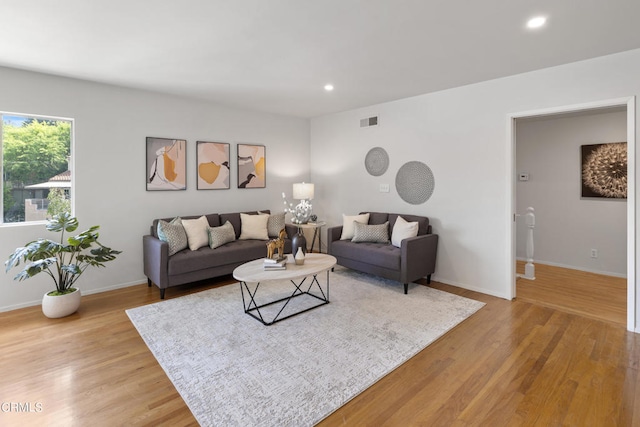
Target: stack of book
275, 264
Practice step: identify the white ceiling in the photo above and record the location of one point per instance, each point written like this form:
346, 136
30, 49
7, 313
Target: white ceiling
276, 55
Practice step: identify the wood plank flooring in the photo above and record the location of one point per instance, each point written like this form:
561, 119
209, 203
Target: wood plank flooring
511, 363
579, 292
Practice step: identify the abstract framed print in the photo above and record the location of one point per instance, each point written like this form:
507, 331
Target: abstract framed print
251, 166
213, 165
166, 164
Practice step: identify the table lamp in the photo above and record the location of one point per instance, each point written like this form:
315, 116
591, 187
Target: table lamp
304, 192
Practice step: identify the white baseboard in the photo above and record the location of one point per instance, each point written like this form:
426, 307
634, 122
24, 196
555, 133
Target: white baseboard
89, 292
469, 288
21, 305
573, 267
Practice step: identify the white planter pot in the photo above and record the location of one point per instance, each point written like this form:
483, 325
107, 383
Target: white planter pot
61, 305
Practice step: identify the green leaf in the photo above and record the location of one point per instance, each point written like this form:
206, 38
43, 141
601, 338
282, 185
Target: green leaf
85, 239
62, 221
37, 250
35, 268
72, 269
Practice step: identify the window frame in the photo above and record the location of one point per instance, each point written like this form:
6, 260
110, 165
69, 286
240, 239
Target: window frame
71, 162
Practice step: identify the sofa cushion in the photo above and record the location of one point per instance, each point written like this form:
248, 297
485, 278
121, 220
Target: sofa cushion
275, 224
423, 222
403, 230
381, 254
236, 252
377, 217
173, 233
253, 227
218, 236
348, 228
197, 232
375, 233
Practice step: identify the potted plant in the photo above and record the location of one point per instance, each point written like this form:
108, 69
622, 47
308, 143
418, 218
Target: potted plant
63, 261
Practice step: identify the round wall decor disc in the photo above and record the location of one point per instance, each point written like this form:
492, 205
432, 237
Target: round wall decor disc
415, 182
376, 161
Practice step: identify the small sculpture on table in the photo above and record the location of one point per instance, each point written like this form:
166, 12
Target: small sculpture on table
277, 245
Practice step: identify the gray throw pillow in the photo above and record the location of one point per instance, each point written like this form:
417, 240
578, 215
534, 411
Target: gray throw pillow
275, 224
218, 236
173, 233
373, 233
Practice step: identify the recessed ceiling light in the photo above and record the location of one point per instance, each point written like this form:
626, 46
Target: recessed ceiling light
536, 22
328, 87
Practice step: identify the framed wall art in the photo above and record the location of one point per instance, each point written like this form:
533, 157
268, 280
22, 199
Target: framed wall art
213, 165
251, 166
166, 164
604, 170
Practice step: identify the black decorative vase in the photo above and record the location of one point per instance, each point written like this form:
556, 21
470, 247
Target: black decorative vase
298, 241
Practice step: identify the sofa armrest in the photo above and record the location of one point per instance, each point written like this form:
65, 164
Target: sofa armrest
418, 257
333, 234
156, 260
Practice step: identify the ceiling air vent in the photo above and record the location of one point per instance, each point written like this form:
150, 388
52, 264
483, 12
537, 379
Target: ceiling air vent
371, 121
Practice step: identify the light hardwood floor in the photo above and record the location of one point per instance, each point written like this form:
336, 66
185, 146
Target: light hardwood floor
511, 363
587, 294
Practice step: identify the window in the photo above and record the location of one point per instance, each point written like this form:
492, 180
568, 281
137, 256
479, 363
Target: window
36, 167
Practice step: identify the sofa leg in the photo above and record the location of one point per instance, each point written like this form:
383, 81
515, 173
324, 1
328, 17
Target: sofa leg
162, 293
428, 279
148, 283
406, 288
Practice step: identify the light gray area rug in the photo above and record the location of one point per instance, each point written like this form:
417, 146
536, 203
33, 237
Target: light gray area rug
233, 371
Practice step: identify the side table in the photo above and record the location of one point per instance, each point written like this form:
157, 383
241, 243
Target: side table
317, 228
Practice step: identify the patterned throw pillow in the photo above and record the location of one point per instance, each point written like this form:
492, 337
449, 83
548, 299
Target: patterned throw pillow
275, 224
173, 233
375, 233
218, 236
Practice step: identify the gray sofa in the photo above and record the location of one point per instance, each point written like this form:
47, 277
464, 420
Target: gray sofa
415, 259
188, 266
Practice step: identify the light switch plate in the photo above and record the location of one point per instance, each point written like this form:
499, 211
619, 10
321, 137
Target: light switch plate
384, 188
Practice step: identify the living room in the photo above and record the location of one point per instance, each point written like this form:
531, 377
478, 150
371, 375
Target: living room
461, 133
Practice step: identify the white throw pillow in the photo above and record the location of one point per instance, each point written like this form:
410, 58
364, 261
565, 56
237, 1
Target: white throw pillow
403, 230
253, 227
348, 229
197, 232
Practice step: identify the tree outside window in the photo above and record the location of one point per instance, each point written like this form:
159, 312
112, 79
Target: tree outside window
35, 167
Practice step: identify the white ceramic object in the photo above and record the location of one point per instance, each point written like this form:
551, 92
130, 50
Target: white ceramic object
299, 256
61, 305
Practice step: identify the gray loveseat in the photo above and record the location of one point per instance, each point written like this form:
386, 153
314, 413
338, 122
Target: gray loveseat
188, 266
414, 259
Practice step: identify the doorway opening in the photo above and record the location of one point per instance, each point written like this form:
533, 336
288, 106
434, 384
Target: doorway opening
561, 205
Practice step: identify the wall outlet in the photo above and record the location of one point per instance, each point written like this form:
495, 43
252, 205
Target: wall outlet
384, 188
594, 253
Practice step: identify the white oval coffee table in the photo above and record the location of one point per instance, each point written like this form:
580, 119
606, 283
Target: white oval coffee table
252, 275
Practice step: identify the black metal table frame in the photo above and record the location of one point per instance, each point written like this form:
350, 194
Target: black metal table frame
252, 306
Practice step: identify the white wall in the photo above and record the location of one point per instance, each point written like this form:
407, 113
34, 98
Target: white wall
111, 124
568, 226
463, 135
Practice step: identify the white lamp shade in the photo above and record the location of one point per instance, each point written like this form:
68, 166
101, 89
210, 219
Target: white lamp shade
303, 191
